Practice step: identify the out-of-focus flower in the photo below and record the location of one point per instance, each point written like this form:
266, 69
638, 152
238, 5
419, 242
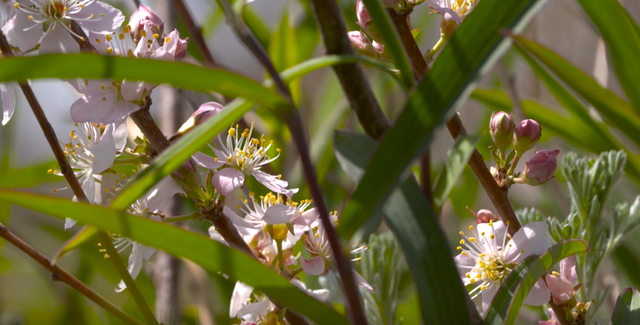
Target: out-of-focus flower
540, 168
8, 96
502, 128
490, 254
243, 156
362, 43
46, 22
561, 284
365, 22
148, 206
145, 17
553, 321
526, 135
242, 307
453, 12
90, 151
484, 216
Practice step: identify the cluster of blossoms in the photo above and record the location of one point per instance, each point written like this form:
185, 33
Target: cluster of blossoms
504, 132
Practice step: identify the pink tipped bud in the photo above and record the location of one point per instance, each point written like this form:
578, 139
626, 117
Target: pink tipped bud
484, 216
561, 284
181, 48
144, 15
526, 136
541, 167
365, 22
502, 128
362, 44
204, 112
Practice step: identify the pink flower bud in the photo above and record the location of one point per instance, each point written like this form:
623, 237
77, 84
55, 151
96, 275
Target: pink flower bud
484, 216
362, 44
142, 16
365, 22
181, 48
541, 167
204, 112
502, 128
526, 136
561, 284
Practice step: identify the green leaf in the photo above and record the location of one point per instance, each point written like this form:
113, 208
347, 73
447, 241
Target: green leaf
28, 176
453, 167
512, 293
628, 260
409, 216
391, 40
618, 112
80, 237
494, 98
473, 47
66, 66
619, 33
627, 309
209, 254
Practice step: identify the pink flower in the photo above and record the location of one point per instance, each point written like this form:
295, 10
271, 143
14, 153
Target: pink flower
540, 168
561, 284
553, 321
141, 17
365, 22
527, 135
46, 22
489, 255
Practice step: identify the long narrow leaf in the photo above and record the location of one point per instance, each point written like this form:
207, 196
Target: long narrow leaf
474, 46
453, 166
423, 242
211, 255
512, 293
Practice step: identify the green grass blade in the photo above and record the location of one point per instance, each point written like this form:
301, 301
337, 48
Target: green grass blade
473, 47
211, 255
409, 216
627, 309
178, 74
619, 33
453, 166
510, 297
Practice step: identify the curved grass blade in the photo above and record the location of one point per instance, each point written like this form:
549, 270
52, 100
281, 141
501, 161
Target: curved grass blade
627, 309
510, 297
474, 46
453, 166
80, 237
92, 66
409, 216
211, 255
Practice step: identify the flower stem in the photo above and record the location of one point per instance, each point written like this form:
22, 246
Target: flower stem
514, 163
436, 48
59, 274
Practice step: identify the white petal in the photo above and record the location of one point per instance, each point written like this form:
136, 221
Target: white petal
278, 214
111, 18
252, 312
19, 34
227, 180
487, 297
160, 195
241, 292
8, 96
464, 264
532, 238
206, 161
273, 183
92, 108
118, 111
308, 217
215, 235
58, 40
135, 90
362, 282
68, 223
146, 252
314, 266
499, 229
104, 153
135, 265
119, 136
539, 294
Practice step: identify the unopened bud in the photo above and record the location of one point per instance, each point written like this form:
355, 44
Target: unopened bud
484, 216
526, 135
502, 128
365, 22
541, 167
181, 48
204, 112
145, 15
362, 44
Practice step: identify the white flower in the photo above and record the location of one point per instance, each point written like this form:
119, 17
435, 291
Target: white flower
46, 22
8, 96
453, 10
90, 151
243, 156
148, 206
490, 254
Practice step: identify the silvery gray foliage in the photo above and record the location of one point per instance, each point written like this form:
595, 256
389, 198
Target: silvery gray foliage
590, 181
528, 215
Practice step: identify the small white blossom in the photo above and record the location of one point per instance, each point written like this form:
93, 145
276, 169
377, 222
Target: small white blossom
453, 10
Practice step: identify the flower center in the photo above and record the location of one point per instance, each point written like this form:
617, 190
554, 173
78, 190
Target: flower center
55, 9
493, 268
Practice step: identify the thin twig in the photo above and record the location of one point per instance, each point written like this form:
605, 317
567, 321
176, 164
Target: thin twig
58, 274
149, 128
195, 32
354, 83
297, 129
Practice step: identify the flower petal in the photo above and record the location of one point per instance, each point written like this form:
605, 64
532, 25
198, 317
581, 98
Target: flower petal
104, 153
307, 218
135, 265
241, 292
568, 269
19, 32
539, 294
273, 183
160, 195
464, 264
92, 108
313, 266
532, 238
227, 180
118, 111
8, 96
561, 290
206, 161
362, 282
107, 19
68, 223
487, 297
278, 214
58, 40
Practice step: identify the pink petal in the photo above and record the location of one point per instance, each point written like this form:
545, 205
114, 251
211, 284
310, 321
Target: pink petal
273, 183
307, 218
16, 34
227, 180
135, 90
539, 294
167, 51
118, 111
92, 109
111, 19
533, 239
206, 161
160, 195
278, 214
58, 40
568, 269
8, 96
362, 282
561, 290
314, 266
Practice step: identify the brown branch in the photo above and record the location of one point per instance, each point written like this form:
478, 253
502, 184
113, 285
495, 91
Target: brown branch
195, 32
294, 120
58, 274
351, 75
401, 21
149, 128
